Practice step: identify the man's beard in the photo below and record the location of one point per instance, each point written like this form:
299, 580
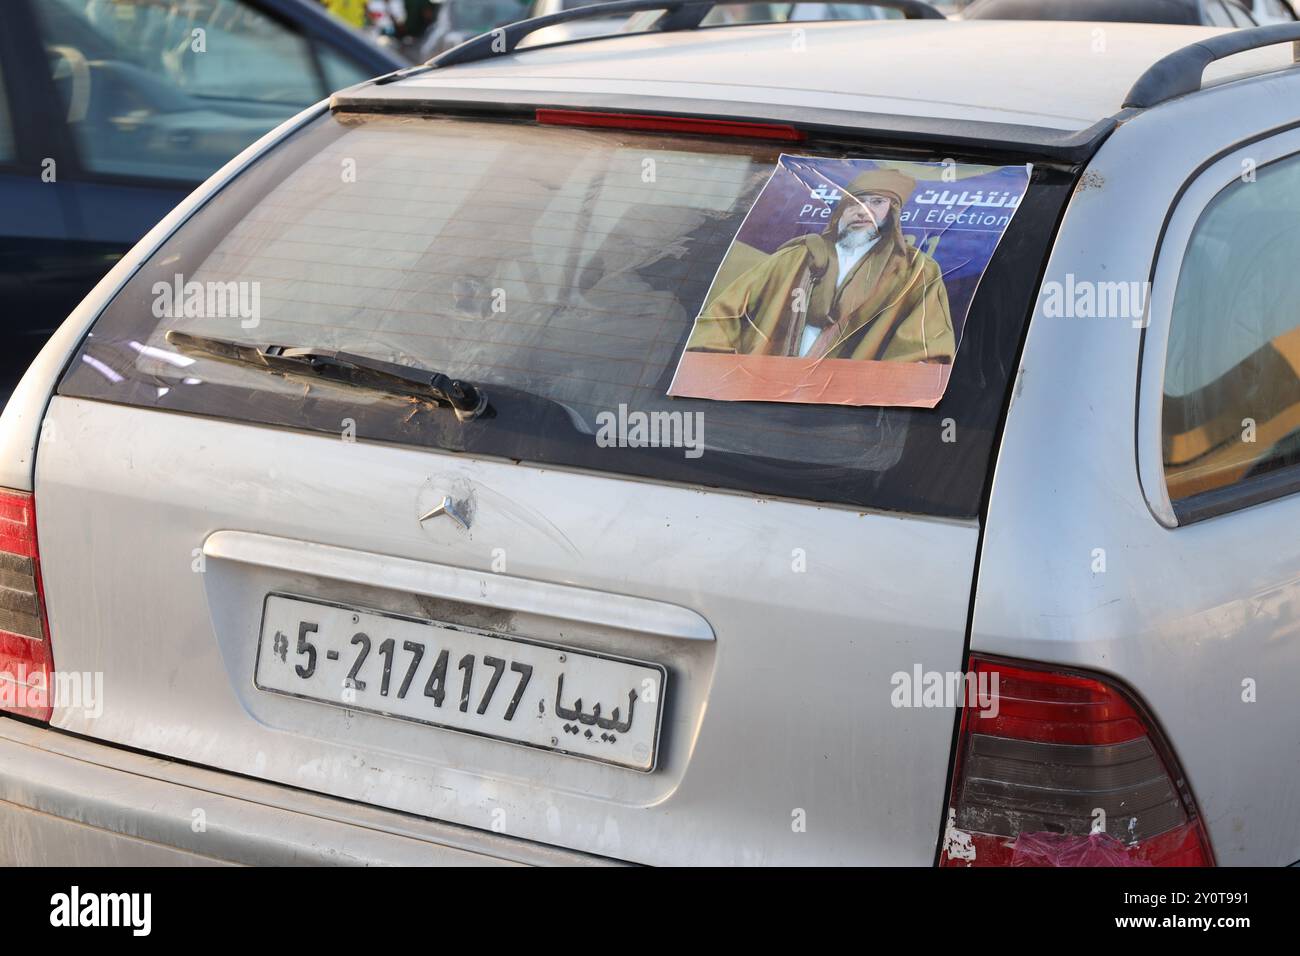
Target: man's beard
852, 240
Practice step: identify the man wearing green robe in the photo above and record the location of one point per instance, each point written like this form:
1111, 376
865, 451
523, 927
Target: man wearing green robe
857, 290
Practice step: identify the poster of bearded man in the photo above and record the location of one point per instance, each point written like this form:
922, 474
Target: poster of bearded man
849, 283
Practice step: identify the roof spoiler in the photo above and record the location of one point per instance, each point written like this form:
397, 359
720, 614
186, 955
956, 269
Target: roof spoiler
677, 15
1181, 72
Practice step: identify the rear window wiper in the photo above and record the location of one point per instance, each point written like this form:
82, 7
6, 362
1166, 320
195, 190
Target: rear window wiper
466, 400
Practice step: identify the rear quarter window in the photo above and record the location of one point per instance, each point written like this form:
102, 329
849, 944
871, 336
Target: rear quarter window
1231, 405
559, 269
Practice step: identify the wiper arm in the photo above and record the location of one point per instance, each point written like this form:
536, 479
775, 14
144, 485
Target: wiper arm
466, 400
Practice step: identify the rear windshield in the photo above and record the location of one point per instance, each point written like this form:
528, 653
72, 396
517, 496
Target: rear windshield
559, 269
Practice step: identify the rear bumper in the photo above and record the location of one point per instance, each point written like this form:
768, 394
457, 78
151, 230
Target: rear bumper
68, 801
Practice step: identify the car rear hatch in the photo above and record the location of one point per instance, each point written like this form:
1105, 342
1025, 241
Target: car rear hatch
271, 571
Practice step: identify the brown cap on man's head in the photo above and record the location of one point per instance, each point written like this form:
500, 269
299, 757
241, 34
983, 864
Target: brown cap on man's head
883, 182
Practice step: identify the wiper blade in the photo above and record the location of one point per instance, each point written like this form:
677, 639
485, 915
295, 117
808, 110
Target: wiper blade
466, 400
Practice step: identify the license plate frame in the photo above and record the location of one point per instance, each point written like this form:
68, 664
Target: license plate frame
582, 744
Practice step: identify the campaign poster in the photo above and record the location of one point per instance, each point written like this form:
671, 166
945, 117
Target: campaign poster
849, 283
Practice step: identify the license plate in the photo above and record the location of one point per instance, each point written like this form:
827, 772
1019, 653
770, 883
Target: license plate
525, 692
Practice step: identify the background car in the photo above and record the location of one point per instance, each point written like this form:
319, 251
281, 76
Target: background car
1218, 13
1270, 11
575, 30
111, 111
458, 20
722, 14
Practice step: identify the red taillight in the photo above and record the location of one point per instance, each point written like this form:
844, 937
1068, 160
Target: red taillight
670, 124
25, 660
1064, 769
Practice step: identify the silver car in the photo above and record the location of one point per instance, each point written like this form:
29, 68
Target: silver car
341, 572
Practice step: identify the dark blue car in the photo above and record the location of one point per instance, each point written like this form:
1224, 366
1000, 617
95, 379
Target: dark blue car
111, 111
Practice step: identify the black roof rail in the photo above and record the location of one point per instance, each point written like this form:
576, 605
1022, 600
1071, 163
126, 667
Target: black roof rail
1181, 71
678, 15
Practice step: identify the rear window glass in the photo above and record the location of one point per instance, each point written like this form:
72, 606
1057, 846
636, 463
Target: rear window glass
560, 270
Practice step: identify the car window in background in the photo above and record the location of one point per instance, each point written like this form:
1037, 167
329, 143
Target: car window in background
787, 12
1216, 14
479, 16
840, 11
760, 12
6, 126
339, 71
1239, 15
460, 20
1232, 389
147, 96
1273, 11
